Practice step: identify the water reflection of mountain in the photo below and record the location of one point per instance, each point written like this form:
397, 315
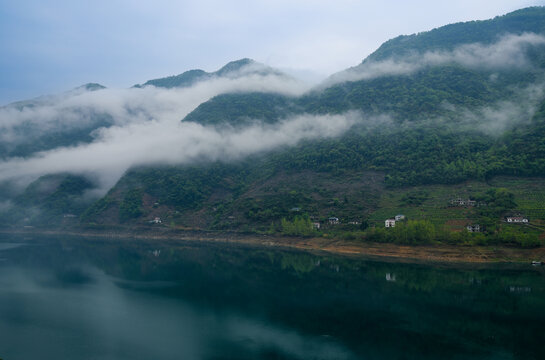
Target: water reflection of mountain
375, 309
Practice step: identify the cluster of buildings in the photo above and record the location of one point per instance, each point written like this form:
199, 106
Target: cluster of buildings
517, 219
392, 221
459, 201
474, 228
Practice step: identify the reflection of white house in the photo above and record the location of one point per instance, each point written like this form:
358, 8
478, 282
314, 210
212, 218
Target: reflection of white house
399, 217
390, 277
517, 219
390, 223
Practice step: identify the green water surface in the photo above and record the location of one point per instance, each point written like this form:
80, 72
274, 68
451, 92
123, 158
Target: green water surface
72, 298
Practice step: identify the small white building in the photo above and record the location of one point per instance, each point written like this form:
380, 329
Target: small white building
316, 225
390, 223
474, 228
333, 221
156, 221
399, 217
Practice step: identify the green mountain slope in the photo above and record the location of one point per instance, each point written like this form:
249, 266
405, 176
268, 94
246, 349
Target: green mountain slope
528, 20
424, 132
72, 119
414, 94
440, 133
242, 109
51, 200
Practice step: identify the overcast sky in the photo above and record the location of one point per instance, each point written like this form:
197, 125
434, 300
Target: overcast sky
48, 46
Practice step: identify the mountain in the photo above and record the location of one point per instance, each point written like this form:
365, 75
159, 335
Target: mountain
92, 87
528, 20
443, 114
412, 76
75, 117
52, 99
232, 69
49, 122
458, 111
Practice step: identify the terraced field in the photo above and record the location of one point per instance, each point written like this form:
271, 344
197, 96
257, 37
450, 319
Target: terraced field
432, 202
529, 196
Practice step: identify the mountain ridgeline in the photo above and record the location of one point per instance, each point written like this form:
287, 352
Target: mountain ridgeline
447, 117
460, 103
231, 70
529, 20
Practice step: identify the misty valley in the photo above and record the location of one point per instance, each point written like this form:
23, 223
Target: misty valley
395, 210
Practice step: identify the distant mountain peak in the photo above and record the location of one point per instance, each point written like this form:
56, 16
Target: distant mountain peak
44, 99
90, 87
232, 69
236, 66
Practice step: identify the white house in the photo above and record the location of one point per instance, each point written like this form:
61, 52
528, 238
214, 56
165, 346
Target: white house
390, 223
156, 221
517, 219
333, 220
474, 228
399, 217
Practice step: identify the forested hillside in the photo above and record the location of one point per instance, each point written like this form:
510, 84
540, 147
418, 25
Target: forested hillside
528, 20
461, 104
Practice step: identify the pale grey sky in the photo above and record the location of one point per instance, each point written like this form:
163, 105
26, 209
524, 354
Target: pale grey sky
49, 46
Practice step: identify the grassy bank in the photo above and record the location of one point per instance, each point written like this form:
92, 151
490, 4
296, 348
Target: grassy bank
431, 252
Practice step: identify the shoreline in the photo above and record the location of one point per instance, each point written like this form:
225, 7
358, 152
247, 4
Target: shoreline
385, 251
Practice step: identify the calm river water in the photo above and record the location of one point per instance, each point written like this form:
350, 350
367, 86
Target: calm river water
69, 298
